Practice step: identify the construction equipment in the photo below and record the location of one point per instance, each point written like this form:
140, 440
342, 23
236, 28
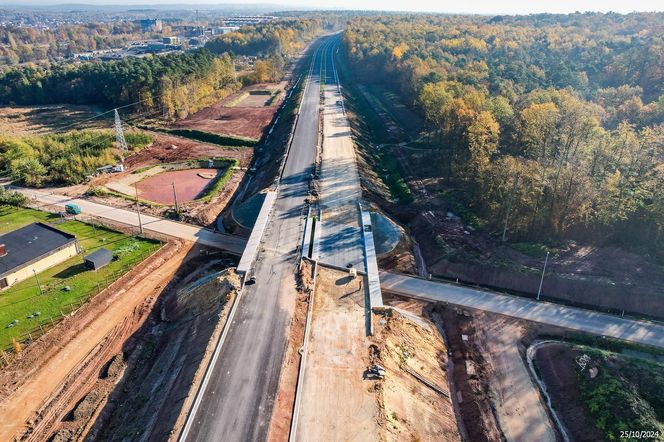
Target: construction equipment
375, 372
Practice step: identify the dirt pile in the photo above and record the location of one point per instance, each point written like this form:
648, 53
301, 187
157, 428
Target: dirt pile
206, 295
413, 355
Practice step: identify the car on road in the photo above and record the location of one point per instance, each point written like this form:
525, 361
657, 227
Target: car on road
251, 280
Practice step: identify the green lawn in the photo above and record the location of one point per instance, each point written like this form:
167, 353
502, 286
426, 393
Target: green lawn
24, 299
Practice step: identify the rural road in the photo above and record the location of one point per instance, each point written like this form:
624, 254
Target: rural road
239, 398
588, 321
189, 232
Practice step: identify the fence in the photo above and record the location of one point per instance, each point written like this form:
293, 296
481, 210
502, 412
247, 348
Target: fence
47, 322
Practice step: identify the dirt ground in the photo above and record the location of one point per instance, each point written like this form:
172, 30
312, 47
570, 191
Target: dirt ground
244, 119
337, 403
412, 410
285, 397
494, 387
520, 409
27, 120
44, 381
172, 149
190, 185
167, 358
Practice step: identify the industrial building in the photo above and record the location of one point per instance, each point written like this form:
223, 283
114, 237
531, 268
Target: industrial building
32, 249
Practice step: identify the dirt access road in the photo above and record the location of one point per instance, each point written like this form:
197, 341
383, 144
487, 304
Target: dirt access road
521, 413
85, 332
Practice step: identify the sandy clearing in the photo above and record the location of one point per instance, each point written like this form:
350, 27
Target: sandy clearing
18, 408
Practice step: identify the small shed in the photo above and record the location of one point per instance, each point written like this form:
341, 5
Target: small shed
98, 259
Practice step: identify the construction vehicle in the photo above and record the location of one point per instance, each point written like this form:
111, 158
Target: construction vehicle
375, 372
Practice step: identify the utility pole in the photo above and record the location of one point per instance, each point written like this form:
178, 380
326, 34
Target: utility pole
175, 198
138, 211
539, 291
38, 284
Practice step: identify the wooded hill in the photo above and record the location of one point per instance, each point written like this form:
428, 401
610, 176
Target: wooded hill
556, 119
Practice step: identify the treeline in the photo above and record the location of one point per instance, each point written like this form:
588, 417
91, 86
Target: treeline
31, 44
553, 122
273, 43
63, 159
177, 84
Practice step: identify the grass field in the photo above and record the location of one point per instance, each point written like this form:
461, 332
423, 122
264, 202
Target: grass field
24, 299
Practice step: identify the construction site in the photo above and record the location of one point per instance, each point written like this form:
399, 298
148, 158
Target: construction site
87, 376
278, 300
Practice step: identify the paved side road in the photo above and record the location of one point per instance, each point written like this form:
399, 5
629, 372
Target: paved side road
588, 321
232, 244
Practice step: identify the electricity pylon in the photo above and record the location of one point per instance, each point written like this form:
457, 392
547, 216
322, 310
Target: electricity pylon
119, 134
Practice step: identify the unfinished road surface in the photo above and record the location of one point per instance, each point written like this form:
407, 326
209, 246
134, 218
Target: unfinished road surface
238, 400
587, 321
341, 237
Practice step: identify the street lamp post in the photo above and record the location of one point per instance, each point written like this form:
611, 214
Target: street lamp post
539, 291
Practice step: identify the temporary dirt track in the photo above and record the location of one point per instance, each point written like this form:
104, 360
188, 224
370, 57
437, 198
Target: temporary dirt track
41, 370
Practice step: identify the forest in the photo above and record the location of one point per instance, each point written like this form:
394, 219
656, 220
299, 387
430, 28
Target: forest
176, 84
274, 43
551, 124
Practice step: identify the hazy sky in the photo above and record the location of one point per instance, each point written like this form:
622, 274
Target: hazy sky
484, 6
449, 6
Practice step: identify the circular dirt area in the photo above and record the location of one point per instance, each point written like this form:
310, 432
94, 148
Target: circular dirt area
189, 185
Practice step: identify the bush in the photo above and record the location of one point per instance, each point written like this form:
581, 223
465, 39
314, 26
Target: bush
12, 198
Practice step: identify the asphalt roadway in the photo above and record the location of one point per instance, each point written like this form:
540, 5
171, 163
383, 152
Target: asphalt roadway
588, 321
238, 400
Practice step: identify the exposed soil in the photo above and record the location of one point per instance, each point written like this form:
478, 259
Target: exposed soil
472, 389
556, 367
167, 357
337, 403
173, 149
248, 118
411, 409
190, 184
282, 413
44, 382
